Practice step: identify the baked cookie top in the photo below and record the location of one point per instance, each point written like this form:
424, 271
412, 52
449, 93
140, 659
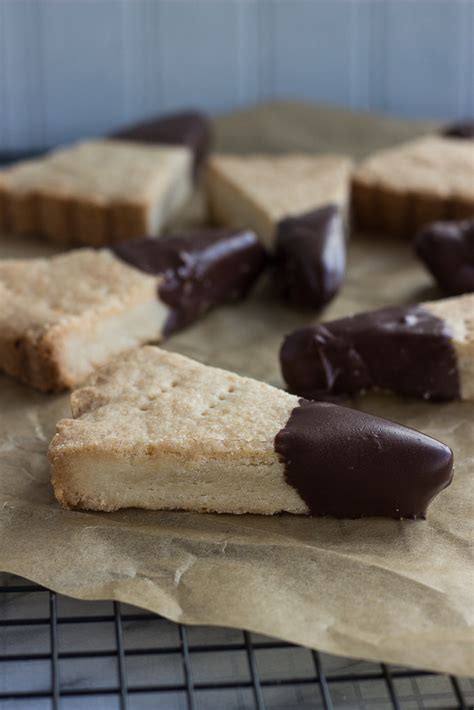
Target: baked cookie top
433, 164
154, 402
42, 293
288, 184
99, 170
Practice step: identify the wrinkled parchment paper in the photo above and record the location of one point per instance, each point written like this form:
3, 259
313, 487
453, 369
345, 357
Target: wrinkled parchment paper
400, 592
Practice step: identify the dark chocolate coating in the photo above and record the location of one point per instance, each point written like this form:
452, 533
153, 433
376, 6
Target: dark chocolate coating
349, 464
201, 269
403, 349
189, 128
310, 257
447, 249
460, 129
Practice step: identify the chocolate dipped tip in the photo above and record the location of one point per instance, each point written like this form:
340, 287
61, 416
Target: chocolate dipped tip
348, 464
406, 350
447, 250
460, 129
313, 361
201, 269
189, 128
310, 257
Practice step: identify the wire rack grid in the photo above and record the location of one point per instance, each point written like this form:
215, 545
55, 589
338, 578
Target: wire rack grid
60, 653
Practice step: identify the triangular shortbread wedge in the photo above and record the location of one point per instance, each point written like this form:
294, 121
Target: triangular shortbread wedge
400, 189
157, 430
426, 350
260, 191
63, 316
96, 192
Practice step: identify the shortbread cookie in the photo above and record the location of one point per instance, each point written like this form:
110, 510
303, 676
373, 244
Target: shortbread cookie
96, 192
63, 316
188, 128
259, 191
401, 189
447, 249
420, 351
159, 431
199, 270
296, 204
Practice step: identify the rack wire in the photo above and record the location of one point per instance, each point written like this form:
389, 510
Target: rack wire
109, 655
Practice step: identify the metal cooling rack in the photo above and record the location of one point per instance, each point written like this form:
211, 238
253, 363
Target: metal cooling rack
64, 654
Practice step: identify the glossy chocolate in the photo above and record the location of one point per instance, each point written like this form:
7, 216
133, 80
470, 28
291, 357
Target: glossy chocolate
201, 269
460, 129
349, 464
447, 249
310, 257
403, 349
188, 128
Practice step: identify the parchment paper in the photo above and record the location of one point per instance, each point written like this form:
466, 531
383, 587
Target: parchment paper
400, 592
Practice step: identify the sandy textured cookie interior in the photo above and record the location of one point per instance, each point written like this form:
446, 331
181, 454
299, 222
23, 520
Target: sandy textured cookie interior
257, 191
156, 430
63, 316
458, 313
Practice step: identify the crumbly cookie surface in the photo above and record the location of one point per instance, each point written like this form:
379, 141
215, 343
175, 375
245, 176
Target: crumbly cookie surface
457, 310
458, 313
95, 192
97, 169
436, 164
45, 292
287, 185
63, 315
154, 401
400, 189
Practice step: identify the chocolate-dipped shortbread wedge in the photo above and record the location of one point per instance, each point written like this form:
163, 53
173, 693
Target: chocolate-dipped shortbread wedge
296, 204
189, 128
310, 257
447, 249
96, 192
156, 430
424, 351
63, 316
400, 189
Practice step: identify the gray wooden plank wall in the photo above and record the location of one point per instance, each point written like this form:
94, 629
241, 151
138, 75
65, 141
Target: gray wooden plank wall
72, 68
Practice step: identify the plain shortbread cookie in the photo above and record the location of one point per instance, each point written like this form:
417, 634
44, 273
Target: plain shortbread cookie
65, 315
400, 189
96, 192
